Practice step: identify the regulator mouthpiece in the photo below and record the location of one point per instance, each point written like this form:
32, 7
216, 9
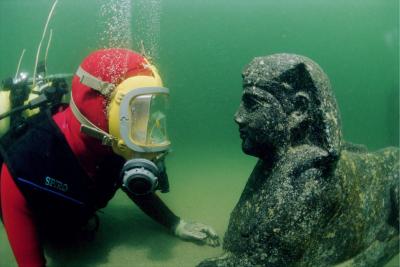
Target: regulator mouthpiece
139, 176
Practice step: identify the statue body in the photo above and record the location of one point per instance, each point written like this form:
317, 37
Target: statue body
311, 200
305, 219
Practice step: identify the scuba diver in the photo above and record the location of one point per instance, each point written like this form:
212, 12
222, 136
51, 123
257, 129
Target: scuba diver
66, 162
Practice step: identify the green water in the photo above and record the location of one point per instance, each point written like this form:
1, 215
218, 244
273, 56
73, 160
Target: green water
200, 48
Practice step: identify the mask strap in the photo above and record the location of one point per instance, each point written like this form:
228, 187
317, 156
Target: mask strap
96, 84
89, 128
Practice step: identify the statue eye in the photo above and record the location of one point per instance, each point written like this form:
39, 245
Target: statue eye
250, 103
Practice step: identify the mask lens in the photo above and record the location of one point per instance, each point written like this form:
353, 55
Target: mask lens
139, 118
157, 126
148, 119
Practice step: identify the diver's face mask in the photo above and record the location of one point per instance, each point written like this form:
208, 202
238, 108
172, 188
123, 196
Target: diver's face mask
137, 132
144, 141
142, 121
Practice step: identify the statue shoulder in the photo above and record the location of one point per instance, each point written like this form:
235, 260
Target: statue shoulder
304, 159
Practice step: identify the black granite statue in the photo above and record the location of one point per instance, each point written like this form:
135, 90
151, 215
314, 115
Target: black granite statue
311, 200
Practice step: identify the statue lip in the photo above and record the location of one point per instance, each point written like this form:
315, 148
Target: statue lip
243, 133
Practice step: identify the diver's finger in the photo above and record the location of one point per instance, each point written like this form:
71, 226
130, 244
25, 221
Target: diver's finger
210, 231
212, 242
198, 235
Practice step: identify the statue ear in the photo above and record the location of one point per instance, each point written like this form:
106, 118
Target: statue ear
298, 77
301, 101
301, 109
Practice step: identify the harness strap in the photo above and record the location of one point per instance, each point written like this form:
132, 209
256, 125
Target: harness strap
96, 84
90, 128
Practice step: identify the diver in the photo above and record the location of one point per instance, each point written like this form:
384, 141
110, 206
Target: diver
63, 167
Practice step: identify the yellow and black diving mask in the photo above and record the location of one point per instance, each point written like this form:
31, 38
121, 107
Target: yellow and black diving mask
137, 118
137, 129
142, 119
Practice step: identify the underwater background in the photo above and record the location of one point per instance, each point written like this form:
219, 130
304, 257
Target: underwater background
200, 48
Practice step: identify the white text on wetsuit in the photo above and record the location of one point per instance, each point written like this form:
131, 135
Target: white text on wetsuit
51, 182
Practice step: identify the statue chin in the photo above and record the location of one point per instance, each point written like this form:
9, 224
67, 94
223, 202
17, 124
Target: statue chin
246, 147
258, 151
249, 148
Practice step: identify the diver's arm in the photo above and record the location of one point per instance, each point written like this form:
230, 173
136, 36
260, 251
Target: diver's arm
156, 209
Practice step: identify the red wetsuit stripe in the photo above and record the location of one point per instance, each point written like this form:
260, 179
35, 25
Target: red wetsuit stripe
19, 224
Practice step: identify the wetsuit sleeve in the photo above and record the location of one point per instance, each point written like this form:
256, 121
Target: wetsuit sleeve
19, 223
154, 207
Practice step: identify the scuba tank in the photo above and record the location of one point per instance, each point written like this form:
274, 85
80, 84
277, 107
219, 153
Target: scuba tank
20, 98
4, 107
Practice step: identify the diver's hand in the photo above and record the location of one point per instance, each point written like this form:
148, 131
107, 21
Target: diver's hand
197, 232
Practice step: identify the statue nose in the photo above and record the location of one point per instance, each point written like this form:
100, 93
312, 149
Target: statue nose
239, 116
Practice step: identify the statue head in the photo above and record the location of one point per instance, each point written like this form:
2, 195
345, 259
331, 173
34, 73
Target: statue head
287, 101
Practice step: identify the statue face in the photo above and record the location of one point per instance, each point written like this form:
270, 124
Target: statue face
262, 120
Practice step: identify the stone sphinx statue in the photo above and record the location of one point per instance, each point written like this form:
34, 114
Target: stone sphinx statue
312, 199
